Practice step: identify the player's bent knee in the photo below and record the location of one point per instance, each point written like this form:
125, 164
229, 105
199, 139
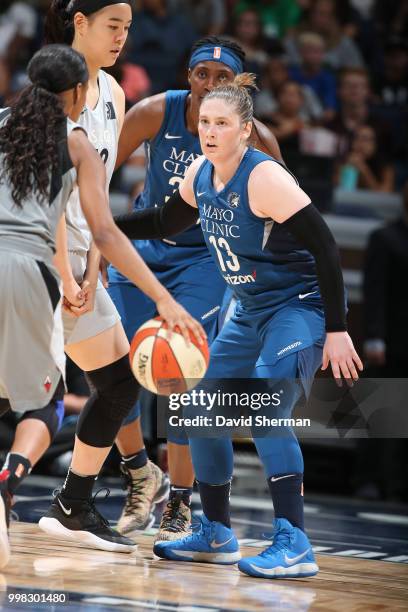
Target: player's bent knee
115, 394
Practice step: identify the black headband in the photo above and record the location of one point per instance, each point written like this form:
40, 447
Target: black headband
87, 7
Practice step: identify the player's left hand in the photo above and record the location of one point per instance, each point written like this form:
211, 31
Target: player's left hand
72, 296
88, 292
339, 351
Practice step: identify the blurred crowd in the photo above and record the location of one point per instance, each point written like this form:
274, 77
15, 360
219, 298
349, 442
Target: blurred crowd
332, 76
333, 87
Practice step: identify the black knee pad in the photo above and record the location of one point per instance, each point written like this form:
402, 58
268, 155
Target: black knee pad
52, 414
115, 392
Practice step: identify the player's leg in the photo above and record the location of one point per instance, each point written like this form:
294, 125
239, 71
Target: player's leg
146, 484
233, 355
34, 434
104, 357
291, 553
32, 344
200, 289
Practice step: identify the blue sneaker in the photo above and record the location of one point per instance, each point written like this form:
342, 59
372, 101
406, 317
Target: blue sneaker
211, 543
290, 555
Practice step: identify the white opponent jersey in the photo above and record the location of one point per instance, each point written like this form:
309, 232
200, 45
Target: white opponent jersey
101, 126
31, 228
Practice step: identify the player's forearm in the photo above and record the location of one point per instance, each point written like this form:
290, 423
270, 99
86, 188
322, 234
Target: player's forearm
172, 218
310, 229
92, 265
61, 258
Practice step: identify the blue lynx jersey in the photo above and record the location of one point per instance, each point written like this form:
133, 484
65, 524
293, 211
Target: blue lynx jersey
169, 155
259, 259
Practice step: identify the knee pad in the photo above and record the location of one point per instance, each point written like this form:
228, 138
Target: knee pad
52, 414
133, 415
115, 393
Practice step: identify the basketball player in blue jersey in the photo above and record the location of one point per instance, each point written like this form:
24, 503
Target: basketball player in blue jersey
270, 242
168, 125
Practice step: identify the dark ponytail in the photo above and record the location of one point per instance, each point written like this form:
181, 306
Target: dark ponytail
59, 26
30, 136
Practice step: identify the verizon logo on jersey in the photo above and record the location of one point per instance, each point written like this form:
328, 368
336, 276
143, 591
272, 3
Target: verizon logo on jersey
240, 279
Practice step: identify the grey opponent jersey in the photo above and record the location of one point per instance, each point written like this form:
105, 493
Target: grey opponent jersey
31, 229
101, 125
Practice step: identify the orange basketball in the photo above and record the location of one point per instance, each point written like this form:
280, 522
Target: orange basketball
164, 365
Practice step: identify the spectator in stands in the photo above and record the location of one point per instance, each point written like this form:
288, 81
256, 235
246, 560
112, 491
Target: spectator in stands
364, 167
277, 16
381, 465
286, 122
207, 16
355, 111
391, 86
392, 17
386, 296
341, 51
275, 74
311, 72
247, 31
18, 25
160, 40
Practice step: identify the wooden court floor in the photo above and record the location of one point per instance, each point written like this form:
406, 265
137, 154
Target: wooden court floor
141, 581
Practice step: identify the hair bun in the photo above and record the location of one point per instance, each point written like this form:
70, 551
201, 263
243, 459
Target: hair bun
245, 79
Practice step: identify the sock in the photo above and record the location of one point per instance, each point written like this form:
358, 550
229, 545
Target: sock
287, 497
184, 492
78, 487
136, 461
215, 502
18, 467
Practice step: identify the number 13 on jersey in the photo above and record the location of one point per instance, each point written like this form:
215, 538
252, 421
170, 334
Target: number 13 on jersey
229, 261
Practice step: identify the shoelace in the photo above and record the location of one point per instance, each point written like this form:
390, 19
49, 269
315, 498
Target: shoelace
173, 519
200, 529
95, 513
281, 541
135, 487
90, 505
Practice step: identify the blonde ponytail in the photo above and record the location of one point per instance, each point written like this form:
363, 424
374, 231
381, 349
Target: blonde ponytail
245, 79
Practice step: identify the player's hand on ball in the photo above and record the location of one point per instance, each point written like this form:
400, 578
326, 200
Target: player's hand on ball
340, 353
176, 316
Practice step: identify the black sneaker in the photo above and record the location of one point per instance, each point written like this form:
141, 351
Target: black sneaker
5, 505
80, 521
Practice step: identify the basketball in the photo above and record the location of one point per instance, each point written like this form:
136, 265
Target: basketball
166, 365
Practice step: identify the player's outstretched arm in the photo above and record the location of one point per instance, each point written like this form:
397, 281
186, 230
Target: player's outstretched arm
111, 241
176, 215
274, 193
